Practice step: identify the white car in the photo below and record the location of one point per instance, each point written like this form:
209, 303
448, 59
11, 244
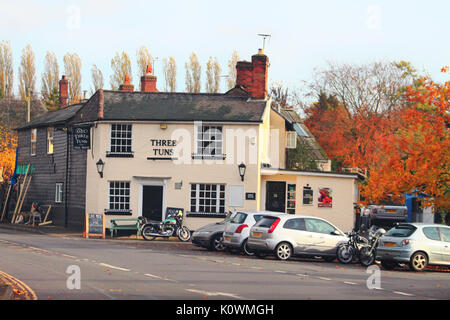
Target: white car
237, 230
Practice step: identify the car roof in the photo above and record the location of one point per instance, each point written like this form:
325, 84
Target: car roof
424, 224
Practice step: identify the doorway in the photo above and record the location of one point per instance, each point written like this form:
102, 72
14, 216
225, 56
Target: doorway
152, 202
276, 196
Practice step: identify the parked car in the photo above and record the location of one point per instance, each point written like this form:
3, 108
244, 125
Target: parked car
387, 213
211, 235
237, 229
416, 244
287, 235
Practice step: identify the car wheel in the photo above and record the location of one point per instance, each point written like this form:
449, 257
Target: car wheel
388, 265
246, 250
283, 251
418, 261
217, 243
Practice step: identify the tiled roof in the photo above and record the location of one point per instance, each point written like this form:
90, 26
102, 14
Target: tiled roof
53, 117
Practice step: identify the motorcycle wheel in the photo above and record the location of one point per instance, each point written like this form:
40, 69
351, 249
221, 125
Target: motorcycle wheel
365, 257
184, 234
147, 231
345, 253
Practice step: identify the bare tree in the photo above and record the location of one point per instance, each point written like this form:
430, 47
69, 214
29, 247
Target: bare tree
27, 72
232, 70
49, 82
121, 65
97, 79
213, 75
6, 69
170, 74
72, 69
193, 74
143, 58
364, 89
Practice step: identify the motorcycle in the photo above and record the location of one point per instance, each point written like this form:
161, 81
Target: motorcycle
350, 252
172, 226
368, 253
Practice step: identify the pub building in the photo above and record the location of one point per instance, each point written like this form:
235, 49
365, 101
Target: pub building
129, 153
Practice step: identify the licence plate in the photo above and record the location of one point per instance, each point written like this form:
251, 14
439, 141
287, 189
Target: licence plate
389, 244
391, 210
257, 234
227, 238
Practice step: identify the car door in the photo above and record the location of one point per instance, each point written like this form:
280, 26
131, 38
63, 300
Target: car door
323, 239
294, 230
445, 236
433, 244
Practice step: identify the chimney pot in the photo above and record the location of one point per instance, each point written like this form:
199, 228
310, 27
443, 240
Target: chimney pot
126, 86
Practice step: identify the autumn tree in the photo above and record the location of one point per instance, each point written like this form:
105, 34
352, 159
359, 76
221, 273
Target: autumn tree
97, 79
231, 81
143, 58
49, 82
27, 73
121, 66
213, 75
8, 144
193, 74
72, 70
416, 156
170, 74
6, 69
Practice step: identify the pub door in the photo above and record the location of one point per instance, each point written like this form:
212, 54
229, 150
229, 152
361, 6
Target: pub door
276, 196
152, 202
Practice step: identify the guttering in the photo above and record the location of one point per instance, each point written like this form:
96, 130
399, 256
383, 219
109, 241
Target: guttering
269, 172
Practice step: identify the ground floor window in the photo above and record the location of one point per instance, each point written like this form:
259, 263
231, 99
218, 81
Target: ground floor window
119, 196
58, 192
207, 198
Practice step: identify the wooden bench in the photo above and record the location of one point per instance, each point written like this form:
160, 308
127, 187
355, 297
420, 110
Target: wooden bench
115, 226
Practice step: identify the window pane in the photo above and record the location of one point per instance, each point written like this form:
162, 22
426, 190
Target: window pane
432, 233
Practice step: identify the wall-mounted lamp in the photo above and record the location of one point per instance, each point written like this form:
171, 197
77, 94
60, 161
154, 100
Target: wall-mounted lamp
163, 126
100, 165
242, 168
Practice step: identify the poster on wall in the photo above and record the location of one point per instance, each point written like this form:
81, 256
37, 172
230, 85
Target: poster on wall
325, 199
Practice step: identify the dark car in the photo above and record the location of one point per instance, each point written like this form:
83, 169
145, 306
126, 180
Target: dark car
211, 235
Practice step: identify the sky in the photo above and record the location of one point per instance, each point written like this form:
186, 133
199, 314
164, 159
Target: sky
305, 35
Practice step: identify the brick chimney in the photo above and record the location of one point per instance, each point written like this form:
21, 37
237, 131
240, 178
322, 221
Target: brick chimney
63, 92
126, 86
252, 76
148, 81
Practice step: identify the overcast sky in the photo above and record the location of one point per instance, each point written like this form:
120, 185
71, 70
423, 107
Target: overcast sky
304, 34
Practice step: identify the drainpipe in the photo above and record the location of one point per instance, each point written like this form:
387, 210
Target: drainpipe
66, 183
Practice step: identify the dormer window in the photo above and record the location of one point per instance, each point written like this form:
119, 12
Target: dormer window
291, 140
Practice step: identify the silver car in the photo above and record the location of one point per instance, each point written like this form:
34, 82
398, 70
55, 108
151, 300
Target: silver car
211, 235
417, 244
287, 235
237, 229
389, 212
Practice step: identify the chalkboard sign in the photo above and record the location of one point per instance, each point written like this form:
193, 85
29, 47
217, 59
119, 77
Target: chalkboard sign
94, 225
173, 211
82, 138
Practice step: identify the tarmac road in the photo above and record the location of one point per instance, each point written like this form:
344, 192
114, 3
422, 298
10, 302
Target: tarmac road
165, 270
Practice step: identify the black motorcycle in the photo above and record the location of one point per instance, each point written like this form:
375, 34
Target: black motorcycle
172, 226
350, 252
368, 253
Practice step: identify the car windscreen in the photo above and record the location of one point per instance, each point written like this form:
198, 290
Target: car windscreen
266, 222
402, 230
239, 218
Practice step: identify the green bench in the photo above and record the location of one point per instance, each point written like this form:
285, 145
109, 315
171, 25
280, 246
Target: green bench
115, 226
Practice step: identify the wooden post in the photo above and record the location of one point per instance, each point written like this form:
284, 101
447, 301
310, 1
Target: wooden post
5, 205
46, 215
20, 195
24, 194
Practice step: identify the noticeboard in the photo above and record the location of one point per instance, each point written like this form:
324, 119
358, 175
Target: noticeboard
82, 137
94, 225
173, 211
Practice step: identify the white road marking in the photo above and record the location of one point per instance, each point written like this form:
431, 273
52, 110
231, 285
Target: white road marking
280, 271
348, 282
152, 276
113, 267
323, 278
69, 256
208, 293
302, 275
403, 293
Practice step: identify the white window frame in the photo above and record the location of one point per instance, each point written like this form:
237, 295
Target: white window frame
208, 140
50, 139
197, 198
303, 196
59, 192
121, 202
120, 146
33, 141
291, 139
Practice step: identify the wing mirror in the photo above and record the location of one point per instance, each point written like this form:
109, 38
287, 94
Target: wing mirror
335, 233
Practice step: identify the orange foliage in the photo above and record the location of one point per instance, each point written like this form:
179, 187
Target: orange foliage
8, 143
